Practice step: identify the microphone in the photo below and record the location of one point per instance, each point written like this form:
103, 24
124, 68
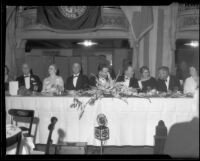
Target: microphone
101, 132
53, 122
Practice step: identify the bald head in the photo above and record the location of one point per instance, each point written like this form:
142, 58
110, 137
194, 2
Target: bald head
76, 68
25, 69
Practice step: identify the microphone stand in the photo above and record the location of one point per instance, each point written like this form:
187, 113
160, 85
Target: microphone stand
50, 128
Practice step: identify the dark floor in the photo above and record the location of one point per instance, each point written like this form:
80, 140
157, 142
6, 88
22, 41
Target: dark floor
97, 150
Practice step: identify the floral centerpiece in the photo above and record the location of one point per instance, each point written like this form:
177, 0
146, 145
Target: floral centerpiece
111, 88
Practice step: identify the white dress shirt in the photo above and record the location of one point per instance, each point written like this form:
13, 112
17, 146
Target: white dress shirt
27, 81
167, 82
140, 84
75, 78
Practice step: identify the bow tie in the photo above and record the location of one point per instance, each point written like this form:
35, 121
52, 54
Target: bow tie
127, 78
75, 76
26, 76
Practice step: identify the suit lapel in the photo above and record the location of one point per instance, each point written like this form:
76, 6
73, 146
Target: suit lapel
164, 85
130, 82
71, 81
23, 81
78, 81
170, 82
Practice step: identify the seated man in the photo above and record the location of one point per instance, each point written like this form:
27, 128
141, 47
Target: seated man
167, 82
77, 81
128, 78
28, 80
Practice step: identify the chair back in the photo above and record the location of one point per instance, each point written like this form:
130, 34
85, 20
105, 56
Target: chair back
160, 138
13, 140
20, 113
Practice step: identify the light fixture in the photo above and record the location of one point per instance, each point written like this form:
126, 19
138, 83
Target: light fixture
193, 44
87, 43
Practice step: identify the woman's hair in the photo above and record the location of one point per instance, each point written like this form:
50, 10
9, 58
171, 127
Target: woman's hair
7, 69
143, 68
196, 68
55, 67
101, 66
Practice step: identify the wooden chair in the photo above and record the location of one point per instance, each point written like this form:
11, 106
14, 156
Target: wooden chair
16, 139
19, 113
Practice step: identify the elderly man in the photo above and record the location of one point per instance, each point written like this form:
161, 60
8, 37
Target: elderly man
77, 81
28, 80
167, 82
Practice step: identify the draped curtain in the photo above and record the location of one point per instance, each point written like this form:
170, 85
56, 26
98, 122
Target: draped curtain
11, 42
153, 35
57, 20
141, 21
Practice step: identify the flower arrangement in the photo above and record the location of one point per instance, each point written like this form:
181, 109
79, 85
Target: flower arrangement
111, 88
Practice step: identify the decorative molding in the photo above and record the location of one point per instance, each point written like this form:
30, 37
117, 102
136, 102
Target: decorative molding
189, 22
112, 19
188, 18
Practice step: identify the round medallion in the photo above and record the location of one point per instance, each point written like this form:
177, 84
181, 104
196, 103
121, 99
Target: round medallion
72, 12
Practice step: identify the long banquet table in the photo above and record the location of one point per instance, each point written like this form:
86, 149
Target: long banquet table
129, 124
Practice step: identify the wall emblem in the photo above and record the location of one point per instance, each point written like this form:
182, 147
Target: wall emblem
72, 12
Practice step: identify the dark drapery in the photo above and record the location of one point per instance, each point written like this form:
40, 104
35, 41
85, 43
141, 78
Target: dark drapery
51, 16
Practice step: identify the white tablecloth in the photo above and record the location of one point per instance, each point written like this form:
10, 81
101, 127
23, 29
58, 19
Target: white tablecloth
130, 124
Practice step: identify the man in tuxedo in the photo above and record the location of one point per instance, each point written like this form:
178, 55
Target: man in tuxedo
167, 82
28, 80
128, 77
77, 81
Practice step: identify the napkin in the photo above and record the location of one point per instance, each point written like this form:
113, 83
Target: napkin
13, 87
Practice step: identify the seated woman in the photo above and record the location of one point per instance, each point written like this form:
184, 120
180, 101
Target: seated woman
103, 78
53, 83
128, 78
192, 82
146, 82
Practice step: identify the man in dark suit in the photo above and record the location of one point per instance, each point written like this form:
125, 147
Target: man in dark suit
167, 82
28, 80
128, 77
77, 81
